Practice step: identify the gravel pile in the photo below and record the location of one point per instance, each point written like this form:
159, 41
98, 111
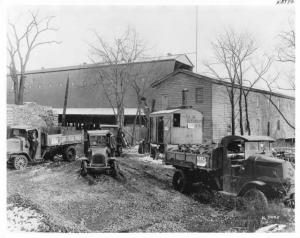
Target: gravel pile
24, 219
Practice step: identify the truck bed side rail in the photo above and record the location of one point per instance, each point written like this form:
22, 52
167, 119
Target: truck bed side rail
59, 139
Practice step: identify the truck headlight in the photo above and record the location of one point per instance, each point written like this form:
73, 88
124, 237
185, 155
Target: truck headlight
201, 161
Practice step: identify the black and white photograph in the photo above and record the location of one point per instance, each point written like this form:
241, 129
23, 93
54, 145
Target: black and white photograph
149, 118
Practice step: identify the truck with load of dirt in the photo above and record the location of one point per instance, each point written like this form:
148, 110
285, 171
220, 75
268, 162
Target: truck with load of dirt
240, 166
28, 145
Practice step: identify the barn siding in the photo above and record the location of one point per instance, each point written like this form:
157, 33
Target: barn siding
260, 113
173, 87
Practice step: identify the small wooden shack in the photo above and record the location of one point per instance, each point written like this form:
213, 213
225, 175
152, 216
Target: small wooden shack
176, 126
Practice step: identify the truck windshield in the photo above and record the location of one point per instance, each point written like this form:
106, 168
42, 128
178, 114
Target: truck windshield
257, 147
98, 140
19, 132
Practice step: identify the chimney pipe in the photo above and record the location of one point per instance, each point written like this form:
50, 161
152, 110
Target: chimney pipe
184, 97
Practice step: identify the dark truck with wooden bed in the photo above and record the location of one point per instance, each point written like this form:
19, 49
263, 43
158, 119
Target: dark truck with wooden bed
240, 166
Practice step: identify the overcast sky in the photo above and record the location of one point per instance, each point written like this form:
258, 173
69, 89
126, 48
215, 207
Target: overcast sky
166, 29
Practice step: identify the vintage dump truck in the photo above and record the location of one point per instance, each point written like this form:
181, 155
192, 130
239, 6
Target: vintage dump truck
100, 157
240, 166
48, 145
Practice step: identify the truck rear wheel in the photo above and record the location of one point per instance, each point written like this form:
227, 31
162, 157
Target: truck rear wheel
20, 162
70, 154
181, 181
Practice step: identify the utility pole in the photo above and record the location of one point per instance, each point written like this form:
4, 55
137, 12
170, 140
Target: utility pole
63, 120
196, 38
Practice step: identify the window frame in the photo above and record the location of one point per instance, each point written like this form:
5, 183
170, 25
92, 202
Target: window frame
197, 101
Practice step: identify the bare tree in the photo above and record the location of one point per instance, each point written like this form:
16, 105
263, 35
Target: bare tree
142, 76
119, 56
232, 52
286, 48
286, 53
20, 47
269, 83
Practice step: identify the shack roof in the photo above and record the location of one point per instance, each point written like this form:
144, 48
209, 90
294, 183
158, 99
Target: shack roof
98, 132
170, 111
95, 111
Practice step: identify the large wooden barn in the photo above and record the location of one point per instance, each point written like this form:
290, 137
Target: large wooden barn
87, 103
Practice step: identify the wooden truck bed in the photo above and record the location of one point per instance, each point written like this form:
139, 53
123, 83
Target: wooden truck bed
59, 139
186, 160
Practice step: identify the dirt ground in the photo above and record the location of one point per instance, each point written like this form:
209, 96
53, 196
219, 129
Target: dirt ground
143, 200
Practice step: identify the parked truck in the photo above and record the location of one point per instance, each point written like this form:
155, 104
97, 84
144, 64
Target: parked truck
19, 151
240, 166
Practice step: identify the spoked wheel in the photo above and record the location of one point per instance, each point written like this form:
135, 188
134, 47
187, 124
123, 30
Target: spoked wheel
255, 204
20, 162
70, 154
181, 181
83, 169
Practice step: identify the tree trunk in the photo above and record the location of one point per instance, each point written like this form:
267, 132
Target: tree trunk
241, 112
65, 104
21, 89
247, 115
232, 114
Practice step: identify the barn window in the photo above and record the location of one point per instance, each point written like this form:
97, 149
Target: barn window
278, 125
176, 120
164, 101
199, 95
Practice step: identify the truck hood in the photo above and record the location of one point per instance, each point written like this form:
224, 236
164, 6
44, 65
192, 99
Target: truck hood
15, 144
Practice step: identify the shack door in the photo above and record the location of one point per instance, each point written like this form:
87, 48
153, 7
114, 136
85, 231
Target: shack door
160, 130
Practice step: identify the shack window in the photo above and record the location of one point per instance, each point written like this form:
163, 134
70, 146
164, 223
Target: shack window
278, 125
199, 95
176, 120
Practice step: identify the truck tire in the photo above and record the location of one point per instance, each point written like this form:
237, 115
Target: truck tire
255, 205
181, 181
255, 199
20, 162
70, 154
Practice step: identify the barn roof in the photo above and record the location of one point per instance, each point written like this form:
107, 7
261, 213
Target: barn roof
47, 86
215, 81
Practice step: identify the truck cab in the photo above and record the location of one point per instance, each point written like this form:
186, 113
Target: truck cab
248, 161
18, 146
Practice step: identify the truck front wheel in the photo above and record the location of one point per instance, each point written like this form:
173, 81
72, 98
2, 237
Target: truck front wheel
255, 205
70, 154
181, 181
20, 162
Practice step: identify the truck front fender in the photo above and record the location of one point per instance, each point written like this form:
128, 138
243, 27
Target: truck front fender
252, 184
10, 156
83, 158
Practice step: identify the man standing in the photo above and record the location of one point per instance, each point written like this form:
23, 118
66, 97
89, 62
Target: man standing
33, 142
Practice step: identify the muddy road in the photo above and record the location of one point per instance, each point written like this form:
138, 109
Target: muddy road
141, 201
